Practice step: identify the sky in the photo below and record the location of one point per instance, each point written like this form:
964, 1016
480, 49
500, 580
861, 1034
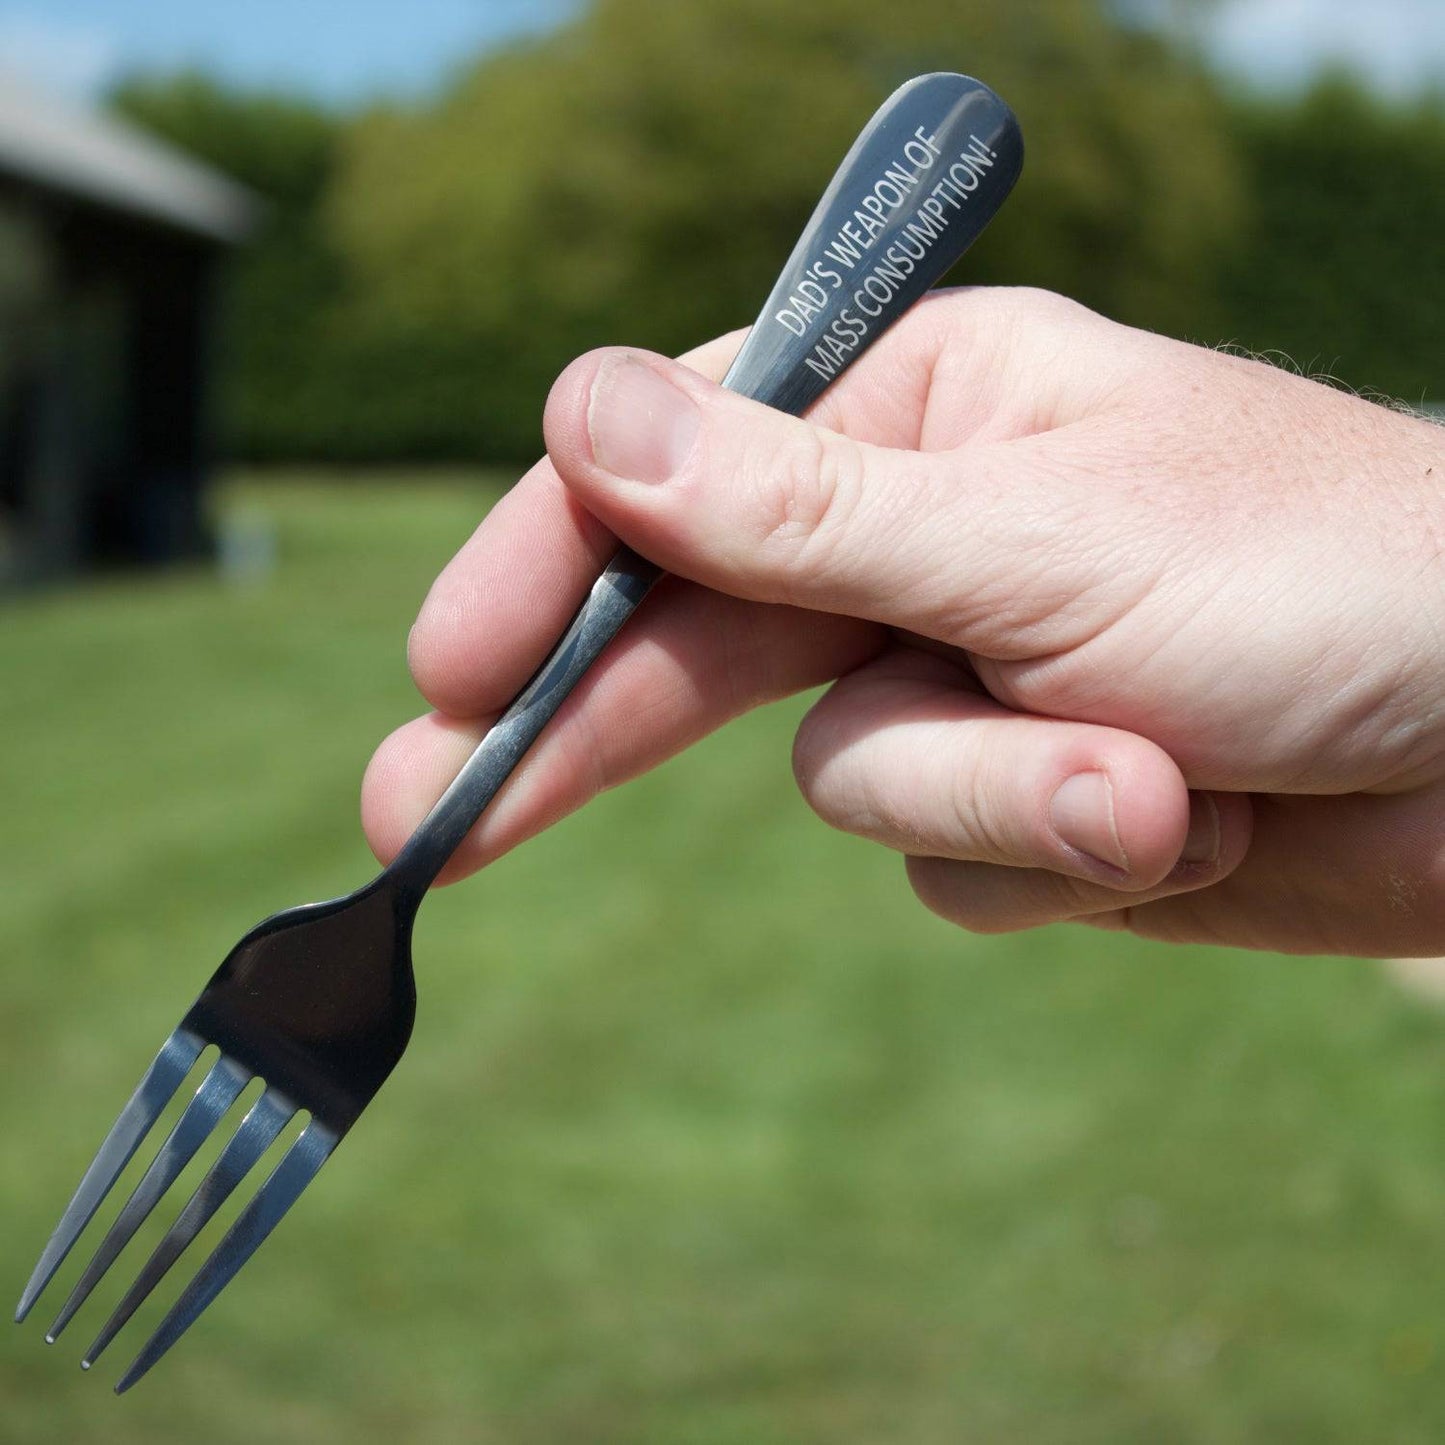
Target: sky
346, 51
1398, 44
338, 50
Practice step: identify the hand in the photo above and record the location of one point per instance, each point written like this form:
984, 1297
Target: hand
1126, 631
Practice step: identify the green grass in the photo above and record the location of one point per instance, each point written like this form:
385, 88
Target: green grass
708, 1133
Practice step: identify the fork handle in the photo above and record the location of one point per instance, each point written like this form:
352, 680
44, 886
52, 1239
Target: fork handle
922, 180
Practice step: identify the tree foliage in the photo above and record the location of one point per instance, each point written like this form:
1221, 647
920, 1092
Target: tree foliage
1339, 264
638, 176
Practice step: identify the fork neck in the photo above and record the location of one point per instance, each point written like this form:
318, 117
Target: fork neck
613, 599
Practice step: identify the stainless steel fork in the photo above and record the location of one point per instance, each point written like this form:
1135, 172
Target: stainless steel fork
318, 1002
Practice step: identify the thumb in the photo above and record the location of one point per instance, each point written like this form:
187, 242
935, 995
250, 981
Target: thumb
753, 502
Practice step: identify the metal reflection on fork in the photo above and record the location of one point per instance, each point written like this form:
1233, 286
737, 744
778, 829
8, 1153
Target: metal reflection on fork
318, 1002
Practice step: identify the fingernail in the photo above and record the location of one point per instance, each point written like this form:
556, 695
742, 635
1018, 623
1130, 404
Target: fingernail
642, 427
1201, 843
1082, 812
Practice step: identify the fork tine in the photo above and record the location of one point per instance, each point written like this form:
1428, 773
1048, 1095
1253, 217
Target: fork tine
267, 1117
225, 1081
295, 1171
152, 1094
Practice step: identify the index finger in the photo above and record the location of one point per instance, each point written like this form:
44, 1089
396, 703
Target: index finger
500, 603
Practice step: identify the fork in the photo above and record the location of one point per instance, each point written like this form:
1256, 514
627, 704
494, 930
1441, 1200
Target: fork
318, 1002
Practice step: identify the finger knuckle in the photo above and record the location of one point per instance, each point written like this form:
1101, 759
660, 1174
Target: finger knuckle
431, 648
841, 798
974, 813
812, 746
952, 891
807, 502
1020, 306
1037, 303
1112, 920
934, 883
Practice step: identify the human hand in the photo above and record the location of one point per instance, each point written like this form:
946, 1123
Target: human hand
1127, 631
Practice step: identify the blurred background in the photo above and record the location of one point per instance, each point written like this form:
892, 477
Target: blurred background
707, 1134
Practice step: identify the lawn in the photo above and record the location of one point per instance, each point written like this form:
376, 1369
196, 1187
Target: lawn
708, 1134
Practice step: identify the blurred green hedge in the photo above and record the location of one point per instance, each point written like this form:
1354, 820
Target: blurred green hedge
638, 175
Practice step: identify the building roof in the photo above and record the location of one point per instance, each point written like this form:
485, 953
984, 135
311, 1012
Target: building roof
95, 157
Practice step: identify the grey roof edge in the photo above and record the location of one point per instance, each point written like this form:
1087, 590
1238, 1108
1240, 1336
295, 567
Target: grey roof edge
99, 158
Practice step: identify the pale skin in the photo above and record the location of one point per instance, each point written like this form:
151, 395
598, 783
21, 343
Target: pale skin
1120, 631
